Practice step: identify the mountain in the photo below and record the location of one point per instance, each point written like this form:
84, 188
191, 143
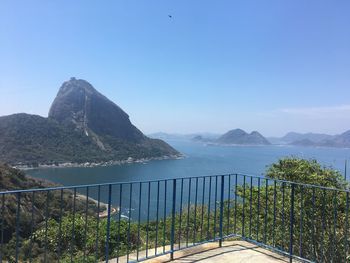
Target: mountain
79, 105
295, 138
314, 137
319, 140
239, 136
340, 141
32, 139
82, 126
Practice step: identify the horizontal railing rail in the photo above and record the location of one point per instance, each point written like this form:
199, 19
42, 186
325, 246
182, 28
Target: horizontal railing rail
133, 221
70, 187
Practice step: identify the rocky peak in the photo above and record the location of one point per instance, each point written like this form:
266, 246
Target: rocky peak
76, 85
78, 103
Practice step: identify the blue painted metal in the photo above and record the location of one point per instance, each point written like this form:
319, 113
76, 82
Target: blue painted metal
139, 222
98, 221
173, 210
250, 207
157, 218
228, 204
165, 213
195, 213
73, 226
18, 210
345, 170
221, 216
209, 201
243, 213
119, 220
59, 226
215, 205
235, 212
274, 213
148, 213
301, 221
266, 206
129, 224
313, 218
86, 221
108, 222
165, 179
334, 244
46, 224
180, 216
291, 227
188, 211
283, 226
289, 195
346, 245
202, 218
2, 225
32, 229
323, 222
258, 214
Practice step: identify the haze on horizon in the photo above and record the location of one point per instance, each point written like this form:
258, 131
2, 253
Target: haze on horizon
272, 66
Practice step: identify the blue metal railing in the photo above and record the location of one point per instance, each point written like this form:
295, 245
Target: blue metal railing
133, 221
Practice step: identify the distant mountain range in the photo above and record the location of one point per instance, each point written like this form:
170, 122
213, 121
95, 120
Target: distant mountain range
240, 137
232, 137
292, 137
82, 126
314, 139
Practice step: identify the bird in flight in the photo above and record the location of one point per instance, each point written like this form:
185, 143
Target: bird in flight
170, 16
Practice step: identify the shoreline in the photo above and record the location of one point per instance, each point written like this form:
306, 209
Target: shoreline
130, 160
103, 213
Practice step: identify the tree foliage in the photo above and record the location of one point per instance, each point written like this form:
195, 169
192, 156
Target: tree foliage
306, 172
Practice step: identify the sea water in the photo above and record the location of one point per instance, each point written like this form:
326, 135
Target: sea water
199, 159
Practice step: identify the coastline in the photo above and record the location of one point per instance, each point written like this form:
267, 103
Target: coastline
129, 160
103, 213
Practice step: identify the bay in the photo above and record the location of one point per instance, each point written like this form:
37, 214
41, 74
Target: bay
199, 160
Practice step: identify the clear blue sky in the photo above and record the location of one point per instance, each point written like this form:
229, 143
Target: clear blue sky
271, 66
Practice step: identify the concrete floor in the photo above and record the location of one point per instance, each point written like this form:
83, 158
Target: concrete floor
231, 251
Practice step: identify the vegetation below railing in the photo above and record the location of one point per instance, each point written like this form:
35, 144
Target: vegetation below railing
310, 221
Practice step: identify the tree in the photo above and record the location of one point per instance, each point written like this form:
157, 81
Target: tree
320, 210
306, 172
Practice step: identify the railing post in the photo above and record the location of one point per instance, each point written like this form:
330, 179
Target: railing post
18, 210
221, 207
108, 221
291, 225
172, 241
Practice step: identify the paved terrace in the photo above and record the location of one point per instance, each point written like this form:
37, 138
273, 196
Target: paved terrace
230, 252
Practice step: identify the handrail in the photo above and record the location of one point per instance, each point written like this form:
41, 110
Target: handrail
167, 179
141, 215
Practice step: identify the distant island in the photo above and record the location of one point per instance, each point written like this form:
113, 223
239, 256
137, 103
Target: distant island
240, 137
234, 137
83, 128
314, 139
